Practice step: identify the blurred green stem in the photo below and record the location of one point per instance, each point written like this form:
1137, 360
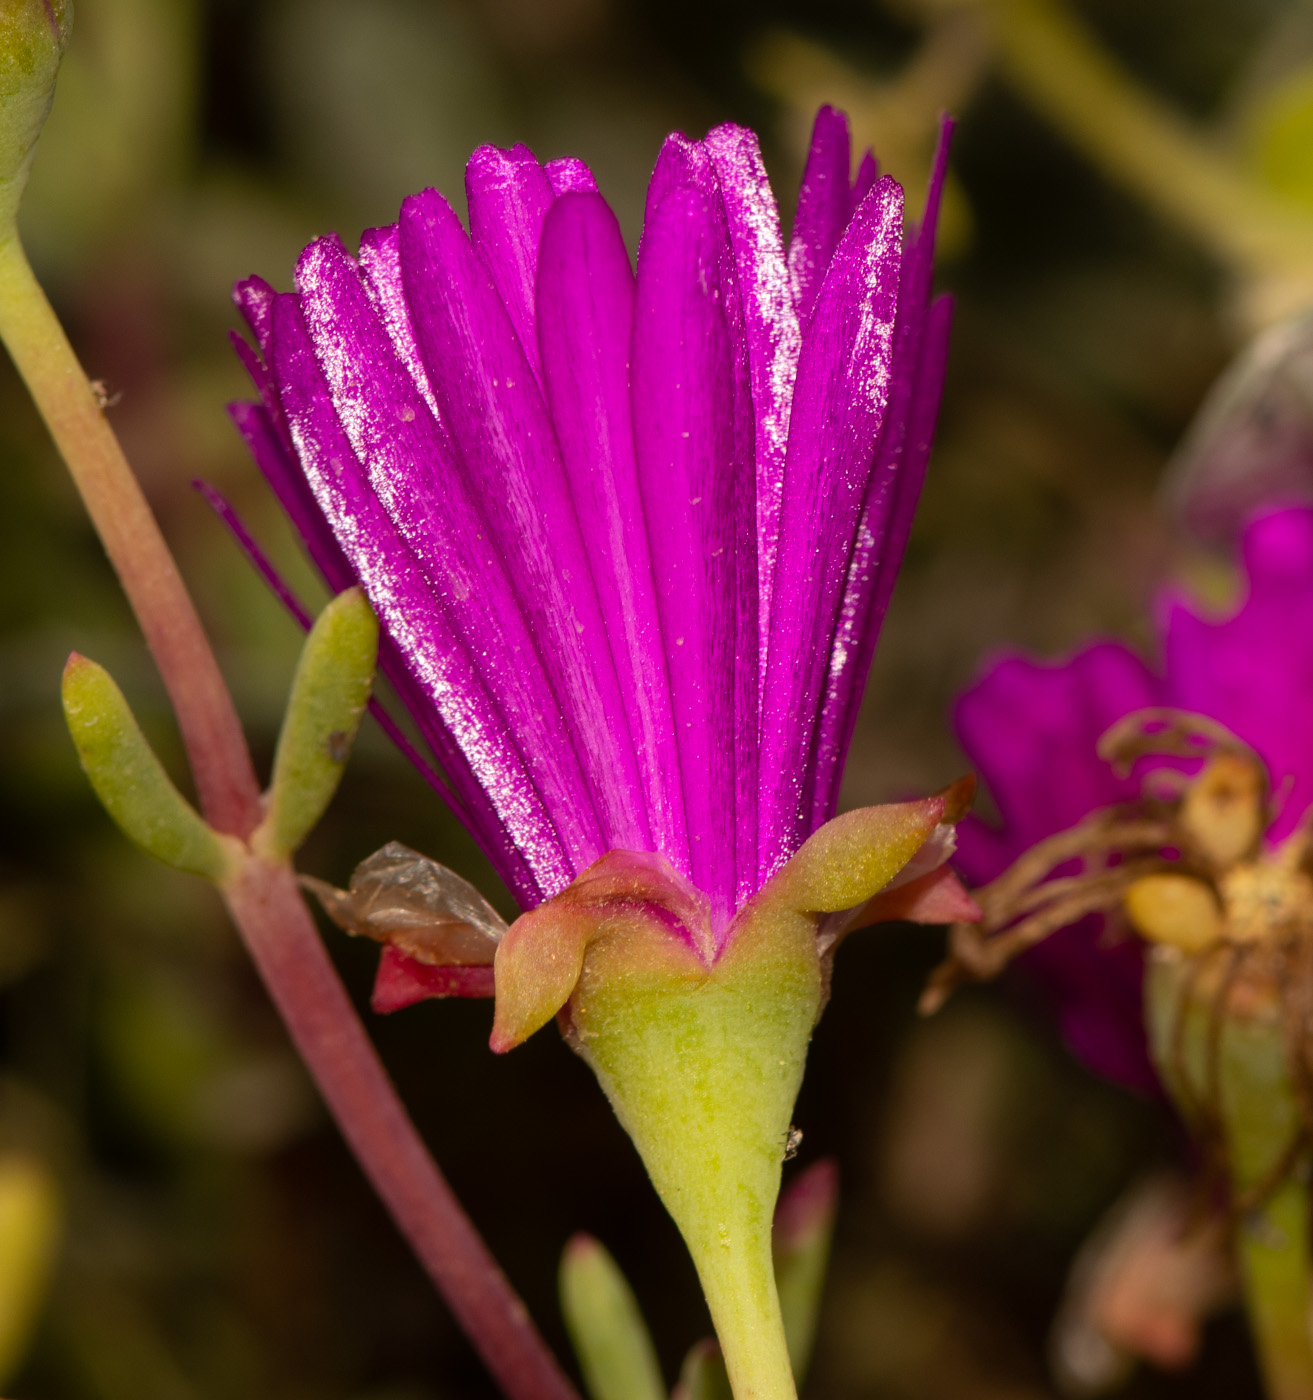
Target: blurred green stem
262, 895
1061, 68
1273, 1246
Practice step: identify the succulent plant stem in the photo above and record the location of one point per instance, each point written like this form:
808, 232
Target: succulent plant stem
262, 896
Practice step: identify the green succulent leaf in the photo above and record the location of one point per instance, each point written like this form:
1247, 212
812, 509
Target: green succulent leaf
33, 35
131, 782
610, 1338
329, 693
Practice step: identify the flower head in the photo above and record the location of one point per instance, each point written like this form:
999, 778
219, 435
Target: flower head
1034, 731
630, 537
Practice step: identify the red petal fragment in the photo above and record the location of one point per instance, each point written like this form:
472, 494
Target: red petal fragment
402, 981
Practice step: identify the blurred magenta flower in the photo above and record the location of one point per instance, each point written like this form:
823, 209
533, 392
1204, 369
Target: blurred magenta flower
631, 539
1032, 731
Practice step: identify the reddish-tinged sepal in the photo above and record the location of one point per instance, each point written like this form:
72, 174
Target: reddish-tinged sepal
635, 901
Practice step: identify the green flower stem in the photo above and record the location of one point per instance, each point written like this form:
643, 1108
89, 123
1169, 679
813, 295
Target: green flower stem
225, 779
1274, 1262
1219, 1043
262, 896
702, 1068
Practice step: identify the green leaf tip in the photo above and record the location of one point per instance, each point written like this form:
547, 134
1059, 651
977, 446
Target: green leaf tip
610, 1338
329, 693
33, 36
800, 1244
131, 782
703, 1375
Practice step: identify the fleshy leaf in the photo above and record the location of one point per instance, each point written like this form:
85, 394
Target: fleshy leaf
804, 1226
703, 1375
33, 35
610, 1338
131, 782
409, 902
329, 693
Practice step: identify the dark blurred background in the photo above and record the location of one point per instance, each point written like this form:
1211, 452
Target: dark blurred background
210, 1238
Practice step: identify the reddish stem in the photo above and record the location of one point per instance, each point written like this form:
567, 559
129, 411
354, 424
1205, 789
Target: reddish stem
281, 937
264, 900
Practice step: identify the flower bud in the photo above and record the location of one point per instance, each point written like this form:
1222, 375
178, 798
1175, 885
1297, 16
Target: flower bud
33, 35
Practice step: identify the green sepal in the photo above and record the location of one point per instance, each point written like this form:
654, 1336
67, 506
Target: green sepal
610, 1338
33, 36
131, 782
329, 693
804, 1228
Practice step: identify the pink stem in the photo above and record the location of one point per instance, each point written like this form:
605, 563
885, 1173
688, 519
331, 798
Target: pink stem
264, 900
281, 937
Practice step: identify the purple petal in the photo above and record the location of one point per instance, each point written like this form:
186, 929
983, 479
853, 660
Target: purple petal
868, 172
825, 205
254, 298
1254, 670
505, 455
1032, 731
771, 334
920, 356
410, 462
278, 464
380, 261
570, 176
478, 755
838, 410
877, 556
700, 513
509, 196
585, 327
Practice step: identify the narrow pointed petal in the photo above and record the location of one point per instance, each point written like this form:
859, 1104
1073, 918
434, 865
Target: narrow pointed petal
380, 261
570, 176
479, 755
509, 195
505, 455
411, 465
868, 172
683, 386
825, 205
585, 327
771, 334
839, 409
877, 557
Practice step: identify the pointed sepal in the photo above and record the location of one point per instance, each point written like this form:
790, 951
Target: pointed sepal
610, 1338
329, 693
131, 782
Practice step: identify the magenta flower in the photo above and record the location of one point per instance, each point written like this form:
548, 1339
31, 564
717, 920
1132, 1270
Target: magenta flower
630, 538
1032, 731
